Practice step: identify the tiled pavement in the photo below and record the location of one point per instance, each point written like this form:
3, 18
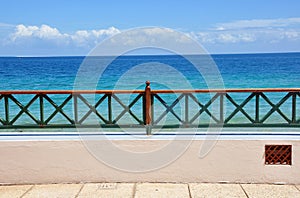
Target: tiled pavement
139, 190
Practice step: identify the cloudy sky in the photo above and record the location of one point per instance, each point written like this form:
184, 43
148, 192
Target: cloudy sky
57, 28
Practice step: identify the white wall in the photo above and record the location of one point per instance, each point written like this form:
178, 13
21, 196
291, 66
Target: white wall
65, 161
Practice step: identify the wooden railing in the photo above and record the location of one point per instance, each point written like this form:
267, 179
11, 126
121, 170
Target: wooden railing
150, 108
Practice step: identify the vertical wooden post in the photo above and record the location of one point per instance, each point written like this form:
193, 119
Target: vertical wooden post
186, 121
6, 105
75, 108
109, 108
41, 109
257, 107
222, 108
147, 107
294, 102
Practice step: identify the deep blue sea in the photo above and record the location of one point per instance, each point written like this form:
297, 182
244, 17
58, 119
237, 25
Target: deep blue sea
237, 71
278, 70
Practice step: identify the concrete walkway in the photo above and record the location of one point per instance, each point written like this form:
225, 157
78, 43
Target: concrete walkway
138, 190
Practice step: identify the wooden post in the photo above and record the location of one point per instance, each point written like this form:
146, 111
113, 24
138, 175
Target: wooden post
148, 108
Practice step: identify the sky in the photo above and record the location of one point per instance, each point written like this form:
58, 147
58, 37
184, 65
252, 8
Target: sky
58, 28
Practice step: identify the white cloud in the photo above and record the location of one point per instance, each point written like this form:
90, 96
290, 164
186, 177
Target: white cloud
91, 38
22, 31
108, 32
258, 23
231, 38
47, 32
224, 37
243, 31
43, 32
82, 38
292, 34
256, 32
149, 36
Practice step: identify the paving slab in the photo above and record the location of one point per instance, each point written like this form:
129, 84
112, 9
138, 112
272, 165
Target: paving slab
201, 190
54, 191
103, 190
13, 191
268, 190
164, 190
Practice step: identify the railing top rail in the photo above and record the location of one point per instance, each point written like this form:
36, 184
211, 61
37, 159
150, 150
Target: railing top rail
69, 91
7, 92
229, 90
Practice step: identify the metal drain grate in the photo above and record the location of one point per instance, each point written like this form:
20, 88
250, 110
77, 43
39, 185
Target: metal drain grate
278, 154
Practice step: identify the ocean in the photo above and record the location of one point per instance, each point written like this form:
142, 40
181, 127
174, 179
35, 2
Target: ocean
237, 70
276, 70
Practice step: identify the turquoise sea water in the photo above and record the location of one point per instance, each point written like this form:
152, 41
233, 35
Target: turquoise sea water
130, 72
238, 71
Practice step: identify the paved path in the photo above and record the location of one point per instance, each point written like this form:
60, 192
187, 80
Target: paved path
145, 190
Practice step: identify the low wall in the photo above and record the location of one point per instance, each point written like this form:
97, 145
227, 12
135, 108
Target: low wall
69, 161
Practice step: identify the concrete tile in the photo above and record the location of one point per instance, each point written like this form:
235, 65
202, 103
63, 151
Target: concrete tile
266, 190
103, 190
216, 190
13, 191
54, 191
163, 190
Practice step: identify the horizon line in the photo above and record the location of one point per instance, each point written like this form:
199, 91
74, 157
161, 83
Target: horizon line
57, 56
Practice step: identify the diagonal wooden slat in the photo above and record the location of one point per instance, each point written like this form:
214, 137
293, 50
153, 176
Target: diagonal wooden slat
58, 109
204, 108
92, 109
127, 109
168, 108
2, 121
24, 109
239, 108
275, 107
